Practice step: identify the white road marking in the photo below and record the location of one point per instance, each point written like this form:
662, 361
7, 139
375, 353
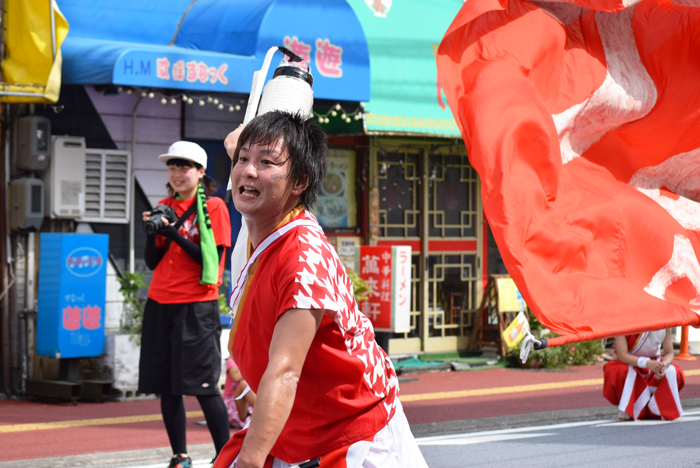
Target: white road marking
427, 440
514, 434
165, 465
688, 417
471, 439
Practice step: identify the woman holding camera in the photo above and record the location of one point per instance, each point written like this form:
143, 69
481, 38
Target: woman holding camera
180, 349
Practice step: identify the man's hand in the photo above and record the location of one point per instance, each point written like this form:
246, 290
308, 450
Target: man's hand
231, 141
245, 464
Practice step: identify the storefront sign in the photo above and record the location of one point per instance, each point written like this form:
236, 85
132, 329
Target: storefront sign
72, 287
387, 271
197, 71
328, 59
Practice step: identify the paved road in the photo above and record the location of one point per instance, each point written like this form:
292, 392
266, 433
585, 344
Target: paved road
602, 443
546, 439
596, 444
120, 434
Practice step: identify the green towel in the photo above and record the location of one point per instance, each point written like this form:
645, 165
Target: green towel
210, 256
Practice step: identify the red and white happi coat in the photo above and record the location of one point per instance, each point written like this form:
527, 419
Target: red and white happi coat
581, 118
635, 390
348, 389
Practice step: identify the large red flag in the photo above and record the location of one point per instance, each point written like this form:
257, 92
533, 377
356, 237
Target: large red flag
583, 121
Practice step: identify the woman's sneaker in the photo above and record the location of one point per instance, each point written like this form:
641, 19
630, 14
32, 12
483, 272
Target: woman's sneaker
180, 460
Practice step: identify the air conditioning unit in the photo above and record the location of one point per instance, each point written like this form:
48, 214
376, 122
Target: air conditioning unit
107, 187
65, 178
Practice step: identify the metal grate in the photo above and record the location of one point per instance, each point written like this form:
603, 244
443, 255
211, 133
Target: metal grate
107, 188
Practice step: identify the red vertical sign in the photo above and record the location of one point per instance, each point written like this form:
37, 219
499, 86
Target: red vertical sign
374, 268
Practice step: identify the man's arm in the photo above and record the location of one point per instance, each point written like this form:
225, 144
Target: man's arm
291, 340
231, 141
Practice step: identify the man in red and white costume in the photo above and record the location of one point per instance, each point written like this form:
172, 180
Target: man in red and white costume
324, 388
641, 382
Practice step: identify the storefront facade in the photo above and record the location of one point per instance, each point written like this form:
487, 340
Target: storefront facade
398, 170
138, 76
421, 189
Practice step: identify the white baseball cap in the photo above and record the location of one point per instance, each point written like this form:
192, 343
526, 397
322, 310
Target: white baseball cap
186, 150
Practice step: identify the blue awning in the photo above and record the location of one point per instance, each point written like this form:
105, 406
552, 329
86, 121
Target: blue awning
96, 61
211, 45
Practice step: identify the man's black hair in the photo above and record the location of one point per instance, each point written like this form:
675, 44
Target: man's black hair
304, 141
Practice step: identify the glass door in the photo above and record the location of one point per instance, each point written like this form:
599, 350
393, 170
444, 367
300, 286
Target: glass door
426, 195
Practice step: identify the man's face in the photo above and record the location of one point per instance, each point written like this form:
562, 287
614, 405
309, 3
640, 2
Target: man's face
261, 187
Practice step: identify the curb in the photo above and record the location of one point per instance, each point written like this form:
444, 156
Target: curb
447, 366
419, 369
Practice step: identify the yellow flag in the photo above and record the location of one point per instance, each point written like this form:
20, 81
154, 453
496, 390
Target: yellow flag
29, 65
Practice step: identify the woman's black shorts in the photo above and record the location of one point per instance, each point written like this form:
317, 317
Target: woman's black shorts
180, 349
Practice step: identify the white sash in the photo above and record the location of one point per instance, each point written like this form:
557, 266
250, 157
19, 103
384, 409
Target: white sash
640, 342
235, 298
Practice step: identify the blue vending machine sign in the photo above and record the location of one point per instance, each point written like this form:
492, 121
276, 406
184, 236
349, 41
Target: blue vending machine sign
72, 287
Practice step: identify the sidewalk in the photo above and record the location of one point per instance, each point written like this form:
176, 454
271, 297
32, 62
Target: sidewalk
56, 434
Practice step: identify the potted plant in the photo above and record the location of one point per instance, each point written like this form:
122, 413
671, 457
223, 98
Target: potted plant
126, 346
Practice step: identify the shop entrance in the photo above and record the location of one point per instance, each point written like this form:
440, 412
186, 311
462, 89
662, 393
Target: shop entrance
426, 195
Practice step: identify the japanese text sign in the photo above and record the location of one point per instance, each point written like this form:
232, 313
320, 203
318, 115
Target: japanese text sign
198, 70
328, 57
387, 271
72, 289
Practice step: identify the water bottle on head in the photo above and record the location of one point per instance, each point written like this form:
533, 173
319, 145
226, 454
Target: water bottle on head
288, 90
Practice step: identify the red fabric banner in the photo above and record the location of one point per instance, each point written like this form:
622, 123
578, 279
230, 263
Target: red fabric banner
583, 121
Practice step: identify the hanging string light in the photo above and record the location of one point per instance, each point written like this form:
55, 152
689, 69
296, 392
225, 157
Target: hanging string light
345, 115
235, 104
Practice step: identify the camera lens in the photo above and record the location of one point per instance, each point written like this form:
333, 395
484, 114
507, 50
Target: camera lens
150, 227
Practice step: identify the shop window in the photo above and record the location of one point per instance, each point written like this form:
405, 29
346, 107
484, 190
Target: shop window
399, 182
452, 292
452, 197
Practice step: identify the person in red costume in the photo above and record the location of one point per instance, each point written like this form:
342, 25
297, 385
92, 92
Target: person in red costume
642, 382
325, 392
180, 341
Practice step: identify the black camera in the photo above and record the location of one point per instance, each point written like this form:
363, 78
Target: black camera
157, 215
